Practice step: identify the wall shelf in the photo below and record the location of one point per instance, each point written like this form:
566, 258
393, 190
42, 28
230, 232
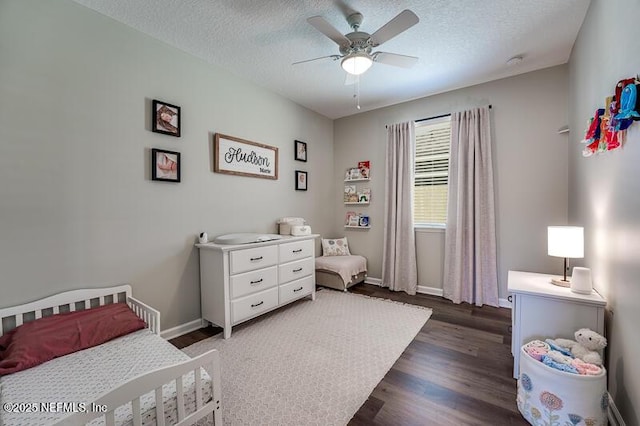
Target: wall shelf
357, 227
357, 180
356, 203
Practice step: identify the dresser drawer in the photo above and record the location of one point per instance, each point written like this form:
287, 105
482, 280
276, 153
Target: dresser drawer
254, 281
296, 289
296, 250
295, 270
253, 304
250, 259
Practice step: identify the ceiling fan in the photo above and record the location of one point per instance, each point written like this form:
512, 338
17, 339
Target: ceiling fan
356, 47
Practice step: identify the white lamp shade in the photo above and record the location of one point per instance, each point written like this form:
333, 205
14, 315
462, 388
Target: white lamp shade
566, 241
356, 63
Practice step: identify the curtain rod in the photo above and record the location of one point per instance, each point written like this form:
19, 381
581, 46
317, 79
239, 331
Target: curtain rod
436, 116
432, 118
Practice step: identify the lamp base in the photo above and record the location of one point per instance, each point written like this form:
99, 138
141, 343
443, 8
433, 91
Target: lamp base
560, 282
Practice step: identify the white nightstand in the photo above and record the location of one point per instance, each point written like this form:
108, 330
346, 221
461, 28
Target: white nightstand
542, 310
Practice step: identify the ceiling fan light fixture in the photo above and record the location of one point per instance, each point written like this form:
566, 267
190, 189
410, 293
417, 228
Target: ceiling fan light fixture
356, 63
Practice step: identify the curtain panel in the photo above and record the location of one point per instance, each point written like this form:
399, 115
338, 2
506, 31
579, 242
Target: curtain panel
470, 260
399, 268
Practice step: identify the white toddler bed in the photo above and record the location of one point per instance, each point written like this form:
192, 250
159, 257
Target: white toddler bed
127, 375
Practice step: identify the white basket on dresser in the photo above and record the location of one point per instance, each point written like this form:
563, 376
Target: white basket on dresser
242, 281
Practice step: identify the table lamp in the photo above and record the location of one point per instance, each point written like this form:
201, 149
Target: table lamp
566, 242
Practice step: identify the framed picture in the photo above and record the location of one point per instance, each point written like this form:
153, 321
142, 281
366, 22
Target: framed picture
235, 156
165, 165
301, 150
166, 118
301, 180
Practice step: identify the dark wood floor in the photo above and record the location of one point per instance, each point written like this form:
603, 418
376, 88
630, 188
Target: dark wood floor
457, 370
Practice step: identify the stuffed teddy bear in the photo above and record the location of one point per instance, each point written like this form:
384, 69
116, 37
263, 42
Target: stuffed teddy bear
586, 345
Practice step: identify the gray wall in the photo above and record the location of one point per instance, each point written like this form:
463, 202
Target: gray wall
604, 189
78, 207
530, 160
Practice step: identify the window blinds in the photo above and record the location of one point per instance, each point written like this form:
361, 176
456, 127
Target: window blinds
433, 138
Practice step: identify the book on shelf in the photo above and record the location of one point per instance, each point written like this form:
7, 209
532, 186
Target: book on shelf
350, 194
363, 169
364, 220
352, 219
352, 174
364, 196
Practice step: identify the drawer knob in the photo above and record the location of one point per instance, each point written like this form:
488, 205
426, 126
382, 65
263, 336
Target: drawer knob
297, 270
297, 251
297, 289
253, 259
256, 281
257, 304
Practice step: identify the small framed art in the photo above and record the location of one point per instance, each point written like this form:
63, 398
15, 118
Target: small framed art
166, 118
165, 165
301, 180
301, 150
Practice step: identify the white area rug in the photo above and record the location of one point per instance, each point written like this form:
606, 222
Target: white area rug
313, 362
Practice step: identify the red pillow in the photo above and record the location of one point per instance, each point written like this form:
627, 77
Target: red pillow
47, 338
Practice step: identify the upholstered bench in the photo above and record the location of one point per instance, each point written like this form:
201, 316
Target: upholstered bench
340, 272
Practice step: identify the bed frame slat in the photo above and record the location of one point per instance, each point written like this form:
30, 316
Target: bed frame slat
19, 319
180, 400
137, 415
110, 418
38, 314
56, 310
198, 388
214, 372
159, 407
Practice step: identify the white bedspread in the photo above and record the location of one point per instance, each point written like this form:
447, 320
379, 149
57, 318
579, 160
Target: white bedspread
83, 376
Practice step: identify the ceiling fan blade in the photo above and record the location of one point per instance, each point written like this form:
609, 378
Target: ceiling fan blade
405, 20
334, 57
394, 59
320, 24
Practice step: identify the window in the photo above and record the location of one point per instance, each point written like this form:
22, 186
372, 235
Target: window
433, 138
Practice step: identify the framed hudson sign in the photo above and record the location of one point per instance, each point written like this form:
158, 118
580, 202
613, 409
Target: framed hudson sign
236, 156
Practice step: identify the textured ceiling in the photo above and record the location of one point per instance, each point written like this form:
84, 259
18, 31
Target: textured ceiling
459, 43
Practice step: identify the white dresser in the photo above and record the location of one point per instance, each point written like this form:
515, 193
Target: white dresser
543, 310
242, 281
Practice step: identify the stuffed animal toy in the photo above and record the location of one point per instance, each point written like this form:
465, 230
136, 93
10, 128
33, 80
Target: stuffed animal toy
586, 345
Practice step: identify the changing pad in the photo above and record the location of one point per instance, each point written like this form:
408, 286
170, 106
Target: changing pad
245, 238
345, 266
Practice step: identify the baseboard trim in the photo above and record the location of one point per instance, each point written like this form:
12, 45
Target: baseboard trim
615, 419
433, 291
373, 281
179, 330
421, 288
504, 303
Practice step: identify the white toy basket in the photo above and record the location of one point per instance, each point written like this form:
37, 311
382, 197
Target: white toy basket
547, 396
